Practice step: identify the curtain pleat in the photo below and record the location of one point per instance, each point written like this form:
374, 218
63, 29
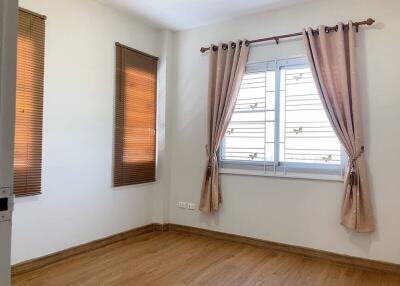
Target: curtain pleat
226, 70
332, 58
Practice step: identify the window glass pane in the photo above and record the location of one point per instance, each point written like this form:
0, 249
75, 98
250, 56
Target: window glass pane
306, 138
308, 135
252, 123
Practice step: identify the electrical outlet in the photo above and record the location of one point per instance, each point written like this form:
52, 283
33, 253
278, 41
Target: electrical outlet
191, 206
182, 205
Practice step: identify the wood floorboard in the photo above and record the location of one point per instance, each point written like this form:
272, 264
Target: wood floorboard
180, 259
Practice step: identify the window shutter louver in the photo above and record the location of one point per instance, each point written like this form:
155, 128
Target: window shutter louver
135, 117
29, 104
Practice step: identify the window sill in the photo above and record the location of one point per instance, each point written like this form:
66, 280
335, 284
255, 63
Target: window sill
27, 194
288, 175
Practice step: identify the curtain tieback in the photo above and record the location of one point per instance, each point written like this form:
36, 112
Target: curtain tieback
210, 160
353, 180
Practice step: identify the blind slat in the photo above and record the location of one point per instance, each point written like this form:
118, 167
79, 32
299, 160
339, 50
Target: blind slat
135, 117
29, 104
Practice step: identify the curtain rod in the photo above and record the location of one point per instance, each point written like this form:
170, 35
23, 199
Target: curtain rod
368, 22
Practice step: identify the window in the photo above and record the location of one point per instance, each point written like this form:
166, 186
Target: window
29, 104
135, 117
279, 125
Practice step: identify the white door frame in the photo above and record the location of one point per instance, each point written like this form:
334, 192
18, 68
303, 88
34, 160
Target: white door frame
8, 48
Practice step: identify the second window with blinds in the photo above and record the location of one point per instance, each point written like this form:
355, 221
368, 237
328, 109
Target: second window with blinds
135, 117
29, 104
279, 126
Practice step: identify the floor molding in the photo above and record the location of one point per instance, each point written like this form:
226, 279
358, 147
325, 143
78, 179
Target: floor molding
44, 261
308, 252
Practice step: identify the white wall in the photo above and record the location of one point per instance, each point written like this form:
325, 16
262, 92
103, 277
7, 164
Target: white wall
78, 203
165, 72
293, 211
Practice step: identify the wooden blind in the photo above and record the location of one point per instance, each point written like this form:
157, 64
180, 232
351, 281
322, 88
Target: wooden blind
135, 130
29, 104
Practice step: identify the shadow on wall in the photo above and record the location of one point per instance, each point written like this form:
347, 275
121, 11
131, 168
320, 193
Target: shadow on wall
210, 219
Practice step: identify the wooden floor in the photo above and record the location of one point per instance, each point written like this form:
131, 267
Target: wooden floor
172, 258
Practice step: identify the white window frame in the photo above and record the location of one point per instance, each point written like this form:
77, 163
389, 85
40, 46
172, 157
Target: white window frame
276, 168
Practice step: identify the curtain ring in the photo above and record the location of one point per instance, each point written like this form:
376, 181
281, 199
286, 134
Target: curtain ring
233, 45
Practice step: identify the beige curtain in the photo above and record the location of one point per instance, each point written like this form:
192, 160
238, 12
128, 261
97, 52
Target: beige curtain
227, 66
332, 58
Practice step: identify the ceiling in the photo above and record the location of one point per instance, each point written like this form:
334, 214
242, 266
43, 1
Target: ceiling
188, 14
